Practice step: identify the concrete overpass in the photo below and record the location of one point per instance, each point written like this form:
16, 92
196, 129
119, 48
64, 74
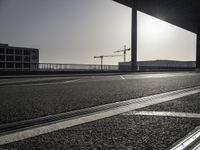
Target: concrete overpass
182, 13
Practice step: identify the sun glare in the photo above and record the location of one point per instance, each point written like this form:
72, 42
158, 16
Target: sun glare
158, 39
154, 26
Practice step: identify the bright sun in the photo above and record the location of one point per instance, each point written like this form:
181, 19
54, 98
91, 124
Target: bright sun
158, 39
154, 26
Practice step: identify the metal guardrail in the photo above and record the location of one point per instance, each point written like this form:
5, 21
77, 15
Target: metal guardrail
43, 67
74, 67
61, 67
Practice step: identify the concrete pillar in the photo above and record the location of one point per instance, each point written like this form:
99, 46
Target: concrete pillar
134, 37
198, 49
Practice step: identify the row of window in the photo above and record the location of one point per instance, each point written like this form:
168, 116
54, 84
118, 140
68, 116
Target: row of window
15, 65
17, 51
17, 58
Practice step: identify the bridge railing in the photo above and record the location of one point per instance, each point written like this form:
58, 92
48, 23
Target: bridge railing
86, 67
73, 67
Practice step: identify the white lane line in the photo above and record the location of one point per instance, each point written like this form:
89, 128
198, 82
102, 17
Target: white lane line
161, 113
138, 103
143, 76
35, 80
122, 77
39, 84
71, 81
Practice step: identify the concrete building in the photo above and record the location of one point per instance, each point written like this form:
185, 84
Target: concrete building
18, 58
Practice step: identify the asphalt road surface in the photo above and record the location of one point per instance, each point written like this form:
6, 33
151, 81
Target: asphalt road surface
155, 126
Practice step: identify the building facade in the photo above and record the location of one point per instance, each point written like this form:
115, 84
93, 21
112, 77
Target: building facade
18, 58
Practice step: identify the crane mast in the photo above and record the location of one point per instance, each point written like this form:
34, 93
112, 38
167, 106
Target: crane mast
103, 56
124, 51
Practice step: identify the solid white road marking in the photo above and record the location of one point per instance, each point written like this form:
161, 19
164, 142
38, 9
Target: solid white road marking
136, 104
161, 113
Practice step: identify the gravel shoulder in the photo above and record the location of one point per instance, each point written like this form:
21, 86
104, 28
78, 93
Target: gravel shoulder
118, 132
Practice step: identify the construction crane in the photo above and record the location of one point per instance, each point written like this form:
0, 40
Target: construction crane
124, 50
102, 56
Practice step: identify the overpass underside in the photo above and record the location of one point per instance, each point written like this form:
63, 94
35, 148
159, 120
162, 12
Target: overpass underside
182, 13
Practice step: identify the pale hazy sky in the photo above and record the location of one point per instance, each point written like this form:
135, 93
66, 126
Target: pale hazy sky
73, 31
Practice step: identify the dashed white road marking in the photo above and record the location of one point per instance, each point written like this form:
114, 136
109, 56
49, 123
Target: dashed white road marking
70, 81
31, 80
125, 106
162, 113
24, 81
38, 84
160, 75
122, 77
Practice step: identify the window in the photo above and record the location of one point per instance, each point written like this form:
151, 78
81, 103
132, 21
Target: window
9, 51
18, 65
27, 58
2, 65
10, 65
18, 51
35, 52
2, 50
27, 52
2, 58
27, 65
34, 58
35, 66
10, 58
18, 58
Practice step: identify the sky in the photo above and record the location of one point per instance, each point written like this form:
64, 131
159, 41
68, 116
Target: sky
74, 31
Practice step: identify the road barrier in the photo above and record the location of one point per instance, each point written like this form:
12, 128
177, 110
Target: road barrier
74, 67
58, 68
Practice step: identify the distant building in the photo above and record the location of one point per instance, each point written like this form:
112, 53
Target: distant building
158, 64
18, 58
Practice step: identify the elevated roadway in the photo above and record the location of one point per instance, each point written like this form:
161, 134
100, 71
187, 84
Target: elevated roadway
126, 111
